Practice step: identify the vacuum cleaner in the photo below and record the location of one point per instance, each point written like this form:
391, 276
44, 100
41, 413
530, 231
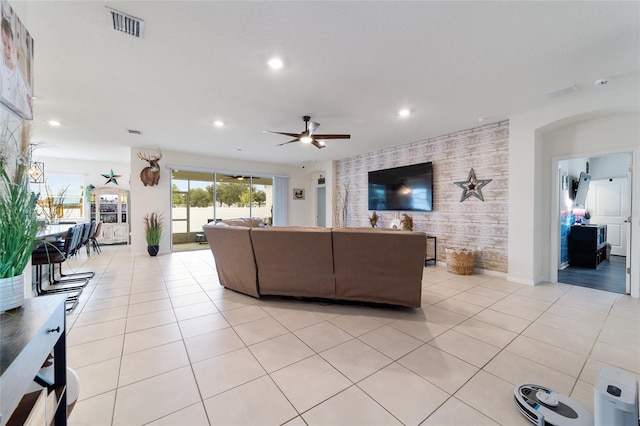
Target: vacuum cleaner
615, 402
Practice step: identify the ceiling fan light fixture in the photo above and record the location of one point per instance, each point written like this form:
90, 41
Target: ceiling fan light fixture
405, 112
275, 63
306, 139
322, 143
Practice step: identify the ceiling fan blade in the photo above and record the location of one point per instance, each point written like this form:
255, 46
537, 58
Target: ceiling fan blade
312, 127
332, 136
292, 141
318, 144
293, 135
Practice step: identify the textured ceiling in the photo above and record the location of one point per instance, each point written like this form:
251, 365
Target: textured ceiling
350, 65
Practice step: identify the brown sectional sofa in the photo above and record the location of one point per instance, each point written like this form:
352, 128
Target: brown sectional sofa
357, 264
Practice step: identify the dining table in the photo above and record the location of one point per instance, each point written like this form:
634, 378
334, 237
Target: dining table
52, 232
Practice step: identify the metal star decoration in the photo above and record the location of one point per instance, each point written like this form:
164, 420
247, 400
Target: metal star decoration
110, 177
472, 186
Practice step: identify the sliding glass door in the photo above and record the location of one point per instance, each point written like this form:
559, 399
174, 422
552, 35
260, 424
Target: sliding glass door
198, 198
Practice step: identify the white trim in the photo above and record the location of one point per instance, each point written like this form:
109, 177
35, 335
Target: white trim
520, 280
228, 172
635, 214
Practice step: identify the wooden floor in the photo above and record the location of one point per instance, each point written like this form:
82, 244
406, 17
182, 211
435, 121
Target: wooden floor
609, 276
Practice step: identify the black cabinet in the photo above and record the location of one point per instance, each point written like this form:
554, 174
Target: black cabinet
587, 245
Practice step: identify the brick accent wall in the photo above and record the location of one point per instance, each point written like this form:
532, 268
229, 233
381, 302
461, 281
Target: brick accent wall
472, 223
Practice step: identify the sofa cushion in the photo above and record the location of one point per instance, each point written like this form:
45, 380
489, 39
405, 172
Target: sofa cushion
294, 261
233, 253
382, 266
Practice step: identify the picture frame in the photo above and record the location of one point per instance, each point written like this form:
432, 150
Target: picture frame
16, 74
298, 193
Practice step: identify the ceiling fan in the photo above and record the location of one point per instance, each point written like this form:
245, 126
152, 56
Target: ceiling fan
234, 177
309, 135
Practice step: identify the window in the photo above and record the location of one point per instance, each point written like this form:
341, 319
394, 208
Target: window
61, 197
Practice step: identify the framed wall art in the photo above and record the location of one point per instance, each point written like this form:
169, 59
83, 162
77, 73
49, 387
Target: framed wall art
16, 64
298, 193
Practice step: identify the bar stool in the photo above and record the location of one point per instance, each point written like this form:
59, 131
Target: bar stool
94, 238
50, 254
83, 239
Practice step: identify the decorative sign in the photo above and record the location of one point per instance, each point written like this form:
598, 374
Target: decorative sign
472, 186
110, 177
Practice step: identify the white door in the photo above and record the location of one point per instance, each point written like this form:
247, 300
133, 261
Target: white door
607, 202
321, 208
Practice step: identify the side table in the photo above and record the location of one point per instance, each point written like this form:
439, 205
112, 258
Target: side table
29, 334
435, 250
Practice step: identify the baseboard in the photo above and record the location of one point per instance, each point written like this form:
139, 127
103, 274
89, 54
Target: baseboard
520, 280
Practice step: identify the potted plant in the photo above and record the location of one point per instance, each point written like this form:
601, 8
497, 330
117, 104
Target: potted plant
18, 221
587, 217
153, 232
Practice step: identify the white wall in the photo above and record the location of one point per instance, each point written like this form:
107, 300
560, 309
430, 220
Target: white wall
311, 173
145, 199
91, 170
609, 166
608, 121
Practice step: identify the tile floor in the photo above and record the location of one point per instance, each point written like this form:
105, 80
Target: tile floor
159, 341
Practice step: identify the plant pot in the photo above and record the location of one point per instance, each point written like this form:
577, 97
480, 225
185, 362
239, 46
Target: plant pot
11, 292
153, 250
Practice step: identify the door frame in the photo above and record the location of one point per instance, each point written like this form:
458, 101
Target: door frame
321, 204
633, 240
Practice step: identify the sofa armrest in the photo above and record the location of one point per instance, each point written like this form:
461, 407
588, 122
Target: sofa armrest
235, 261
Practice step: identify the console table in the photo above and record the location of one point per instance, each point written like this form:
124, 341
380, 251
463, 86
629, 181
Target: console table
29, 334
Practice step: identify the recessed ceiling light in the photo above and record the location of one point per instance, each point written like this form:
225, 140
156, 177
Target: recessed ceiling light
404, 112
218, 123
54, 123
275, 63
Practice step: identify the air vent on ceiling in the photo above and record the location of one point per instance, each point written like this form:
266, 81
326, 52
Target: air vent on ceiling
126, 23
134, 132
562, 92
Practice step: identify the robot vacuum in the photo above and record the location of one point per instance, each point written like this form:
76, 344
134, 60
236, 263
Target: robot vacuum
542, 406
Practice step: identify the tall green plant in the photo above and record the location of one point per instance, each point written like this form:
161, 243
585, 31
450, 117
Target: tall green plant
18, 221
153, 228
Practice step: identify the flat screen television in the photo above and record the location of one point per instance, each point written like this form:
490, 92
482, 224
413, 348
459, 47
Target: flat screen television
581, 189
402, 188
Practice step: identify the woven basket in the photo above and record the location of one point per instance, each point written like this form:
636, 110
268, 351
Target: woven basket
460, 261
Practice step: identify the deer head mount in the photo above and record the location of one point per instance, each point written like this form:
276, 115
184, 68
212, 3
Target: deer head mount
150, 175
